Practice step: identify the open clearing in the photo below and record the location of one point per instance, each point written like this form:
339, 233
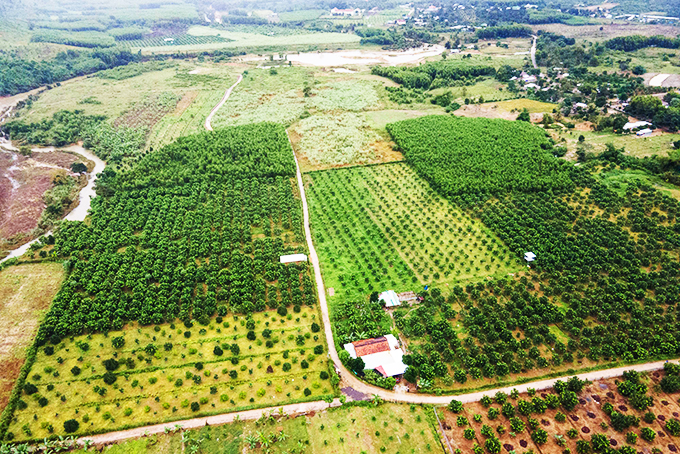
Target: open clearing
158, 372
507, 110
639, 147
383, 227
25, 292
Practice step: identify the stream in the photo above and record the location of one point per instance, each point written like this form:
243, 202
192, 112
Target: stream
84, 197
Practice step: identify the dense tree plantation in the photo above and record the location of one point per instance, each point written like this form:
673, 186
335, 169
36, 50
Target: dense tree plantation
434, 74
192, 230
512, 156
18, 75
603, 287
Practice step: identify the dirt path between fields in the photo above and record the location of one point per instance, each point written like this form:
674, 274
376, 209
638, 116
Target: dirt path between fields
533, 51
227, 93
197, 423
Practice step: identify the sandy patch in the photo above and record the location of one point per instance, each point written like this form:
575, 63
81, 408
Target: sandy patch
658, 80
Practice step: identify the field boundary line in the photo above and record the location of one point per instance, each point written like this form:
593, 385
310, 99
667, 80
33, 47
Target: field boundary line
214, 110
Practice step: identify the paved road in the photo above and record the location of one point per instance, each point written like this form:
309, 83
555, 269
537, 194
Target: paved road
533, 51
196, 423
208, 126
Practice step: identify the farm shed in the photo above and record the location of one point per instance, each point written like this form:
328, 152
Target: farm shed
644, 132
293, 258
390, 298
529, 256
381, 354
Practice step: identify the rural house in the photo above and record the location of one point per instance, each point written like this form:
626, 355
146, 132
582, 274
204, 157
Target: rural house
381, 354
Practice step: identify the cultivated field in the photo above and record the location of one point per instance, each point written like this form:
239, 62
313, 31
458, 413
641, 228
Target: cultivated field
601, 417
145, 375
25, 292
383, 227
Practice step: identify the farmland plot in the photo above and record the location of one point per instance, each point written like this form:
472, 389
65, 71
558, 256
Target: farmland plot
383, 227
149, 374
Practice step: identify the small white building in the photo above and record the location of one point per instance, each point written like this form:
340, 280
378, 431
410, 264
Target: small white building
529, 256
293, 258
635, 125
390, 298
644, 132
381, 354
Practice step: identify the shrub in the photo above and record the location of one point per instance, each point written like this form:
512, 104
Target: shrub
111, 364
251, 335
198, 365
307, 392
75, 370
286, 367
30, 388
187, 334
647, 434
469, 434
109, 378
167, 346
318, 349
673, 427
49, 350
282, 311
315, 328
71, 426
118, 342
127, 411
455, 406
43, 402
304, 364
179, 382
323, 375
203, 400
224, 398
195, 406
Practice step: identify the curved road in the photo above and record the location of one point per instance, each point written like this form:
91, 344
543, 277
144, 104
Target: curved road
208, 126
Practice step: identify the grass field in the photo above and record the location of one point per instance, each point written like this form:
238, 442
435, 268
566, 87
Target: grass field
171, 372
26, 291
383, 227
117, 96
393, 428
635, 146
263, 96
254, 40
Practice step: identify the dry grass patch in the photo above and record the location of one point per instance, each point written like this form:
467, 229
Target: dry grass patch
25, 292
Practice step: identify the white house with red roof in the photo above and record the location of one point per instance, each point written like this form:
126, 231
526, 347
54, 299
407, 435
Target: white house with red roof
381, 354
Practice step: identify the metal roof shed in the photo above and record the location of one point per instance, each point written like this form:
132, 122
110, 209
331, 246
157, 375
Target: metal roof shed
293, 258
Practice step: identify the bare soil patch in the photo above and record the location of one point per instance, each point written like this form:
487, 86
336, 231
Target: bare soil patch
26, 291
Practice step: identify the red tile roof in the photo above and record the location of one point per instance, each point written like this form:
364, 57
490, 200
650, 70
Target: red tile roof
370, 346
